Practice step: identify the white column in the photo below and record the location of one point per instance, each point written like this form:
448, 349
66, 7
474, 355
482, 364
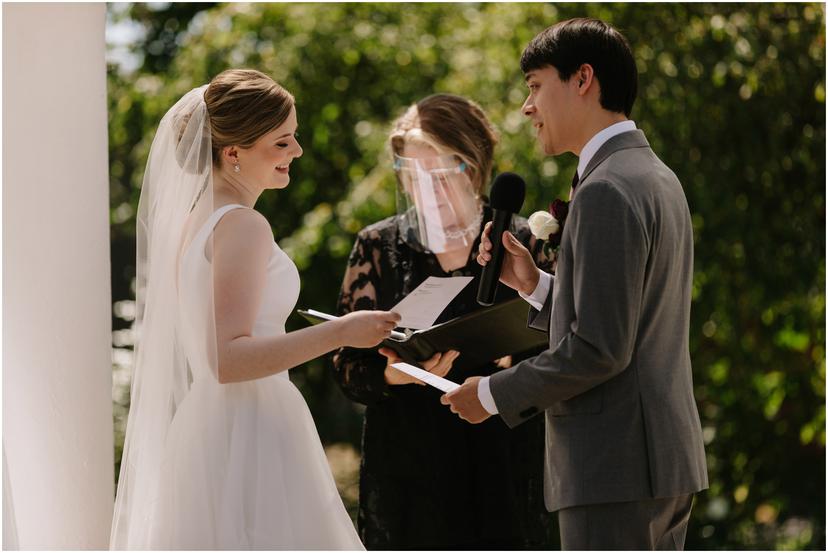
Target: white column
57, 408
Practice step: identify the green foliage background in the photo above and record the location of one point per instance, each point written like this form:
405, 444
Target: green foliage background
732, 98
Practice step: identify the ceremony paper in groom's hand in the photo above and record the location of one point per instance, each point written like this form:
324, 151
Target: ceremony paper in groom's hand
431, 379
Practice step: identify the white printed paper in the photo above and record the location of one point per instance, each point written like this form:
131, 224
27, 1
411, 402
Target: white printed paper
420, 308
427, 377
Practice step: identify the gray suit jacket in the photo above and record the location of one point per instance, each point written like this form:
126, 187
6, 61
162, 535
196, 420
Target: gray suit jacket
616, 382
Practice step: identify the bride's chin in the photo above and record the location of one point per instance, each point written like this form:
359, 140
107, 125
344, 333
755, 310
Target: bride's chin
278, 182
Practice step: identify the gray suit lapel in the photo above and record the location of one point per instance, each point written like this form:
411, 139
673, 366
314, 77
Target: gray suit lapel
623, 141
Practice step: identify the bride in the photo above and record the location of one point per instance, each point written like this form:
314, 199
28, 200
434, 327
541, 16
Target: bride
221, 451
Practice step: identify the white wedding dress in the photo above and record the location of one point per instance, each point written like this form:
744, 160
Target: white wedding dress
243, 464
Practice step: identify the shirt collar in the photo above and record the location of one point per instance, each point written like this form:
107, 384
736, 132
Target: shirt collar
599, 139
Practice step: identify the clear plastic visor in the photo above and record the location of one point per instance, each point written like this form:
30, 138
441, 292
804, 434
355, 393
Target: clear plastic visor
437, 203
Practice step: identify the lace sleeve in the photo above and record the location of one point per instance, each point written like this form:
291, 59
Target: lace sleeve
361, 372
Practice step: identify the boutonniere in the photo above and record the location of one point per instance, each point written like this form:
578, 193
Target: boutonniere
548, 225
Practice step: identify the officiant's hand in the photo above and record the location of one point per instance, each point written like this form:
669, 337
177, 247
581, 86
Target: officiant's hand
439, 364
465, 402
518, 271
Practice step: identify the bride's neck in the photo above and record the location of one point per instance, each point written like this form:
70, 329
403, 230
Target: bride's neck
230, 190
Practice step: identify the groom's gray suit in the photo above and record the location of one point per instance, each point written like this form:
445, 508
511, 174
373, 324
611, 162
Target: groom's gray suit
616, 382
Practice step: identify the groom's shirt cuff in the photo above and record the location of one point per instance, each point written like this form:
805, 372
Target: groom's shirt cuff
485, 396
537, 298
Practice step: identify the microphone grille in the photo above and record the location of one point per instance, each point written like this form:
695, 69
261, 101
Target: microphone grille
508, 192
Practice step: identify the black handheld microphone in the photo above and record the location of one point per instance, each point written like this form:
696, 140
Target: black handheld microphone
508, 191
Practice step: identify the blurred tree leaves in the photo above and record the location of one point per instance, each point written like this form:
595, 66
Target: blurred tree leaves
732, 98
163, 25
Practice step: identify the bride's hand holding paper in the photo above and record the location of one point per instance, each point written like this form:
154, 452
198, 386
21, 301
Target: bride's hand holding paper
366, 329
439, 364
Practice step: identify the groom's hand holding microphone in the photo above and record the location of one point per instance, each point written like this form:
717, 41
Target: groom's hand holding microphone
512, 264
519, 271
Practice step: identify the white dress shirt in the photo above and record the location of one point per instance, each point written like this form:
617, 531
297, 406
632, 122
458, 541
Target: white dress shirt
537, 298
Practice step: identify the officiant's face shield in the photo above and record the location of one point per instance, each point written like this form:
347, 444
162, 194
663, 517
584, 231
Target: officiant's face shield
437, 203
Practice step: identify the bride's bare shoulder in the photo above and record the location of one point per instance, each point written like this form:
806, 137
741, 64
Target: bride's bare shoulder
244, 227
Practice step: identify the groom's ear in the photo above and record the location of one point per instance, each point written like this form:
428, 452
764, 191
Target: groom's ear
584, 75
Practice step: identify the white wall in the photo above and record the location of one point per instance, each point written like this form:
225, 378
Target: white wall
57, 408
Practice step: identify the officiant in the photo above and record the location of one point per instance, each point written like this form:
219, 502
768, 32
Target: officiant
427, 479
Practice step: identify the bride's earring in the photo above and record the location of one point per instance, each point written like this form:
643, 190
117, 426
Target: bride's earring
236, 168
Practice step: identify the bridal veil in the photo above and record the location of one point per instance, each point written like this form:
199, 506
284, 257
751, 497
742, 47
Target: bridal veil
178, 178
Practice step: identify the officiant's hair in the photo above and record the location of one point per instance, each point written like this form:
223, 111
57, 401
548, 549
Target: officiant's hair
452, 125
244, 105
569, 44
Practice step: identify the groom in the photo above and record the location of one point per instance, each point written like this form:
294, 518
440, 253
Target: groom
624, 444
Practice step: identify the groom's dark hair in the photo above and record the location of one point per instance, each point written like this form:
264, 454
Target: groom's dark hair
569, 44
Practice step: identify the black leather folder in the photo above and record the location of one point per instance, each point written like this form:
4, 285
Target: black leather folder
481, 336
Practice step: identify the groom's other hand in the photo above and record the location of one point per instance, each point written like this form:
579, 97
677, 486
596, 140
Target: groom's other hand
518, 271
465, 403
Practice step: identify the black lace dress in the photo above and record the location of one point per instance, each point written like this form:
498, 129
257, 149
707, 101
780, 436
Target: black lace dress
429, 480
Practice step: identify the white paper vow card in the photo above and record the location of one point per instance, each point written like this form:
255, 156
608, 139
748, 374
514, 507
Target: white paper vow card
420, 308
430, 379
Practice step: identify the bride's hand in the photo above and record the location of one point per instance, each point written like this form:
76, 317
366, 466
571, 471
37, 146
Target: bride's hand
439, 364
366, 329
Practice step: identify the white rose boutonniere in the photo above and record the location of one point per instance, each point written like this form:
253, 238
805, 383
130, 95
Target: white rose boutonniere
542, 224
548, 225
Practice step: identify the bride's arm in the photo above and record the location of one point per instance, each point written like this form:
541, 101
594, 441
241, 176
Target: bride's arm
242, 246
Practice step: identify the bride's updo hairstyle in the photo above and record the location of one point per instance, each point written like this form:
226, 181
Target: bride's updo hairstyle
244, 105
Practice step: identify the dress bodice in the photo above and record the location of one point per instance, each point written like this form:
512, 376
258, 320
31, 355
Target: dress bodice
195, 314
